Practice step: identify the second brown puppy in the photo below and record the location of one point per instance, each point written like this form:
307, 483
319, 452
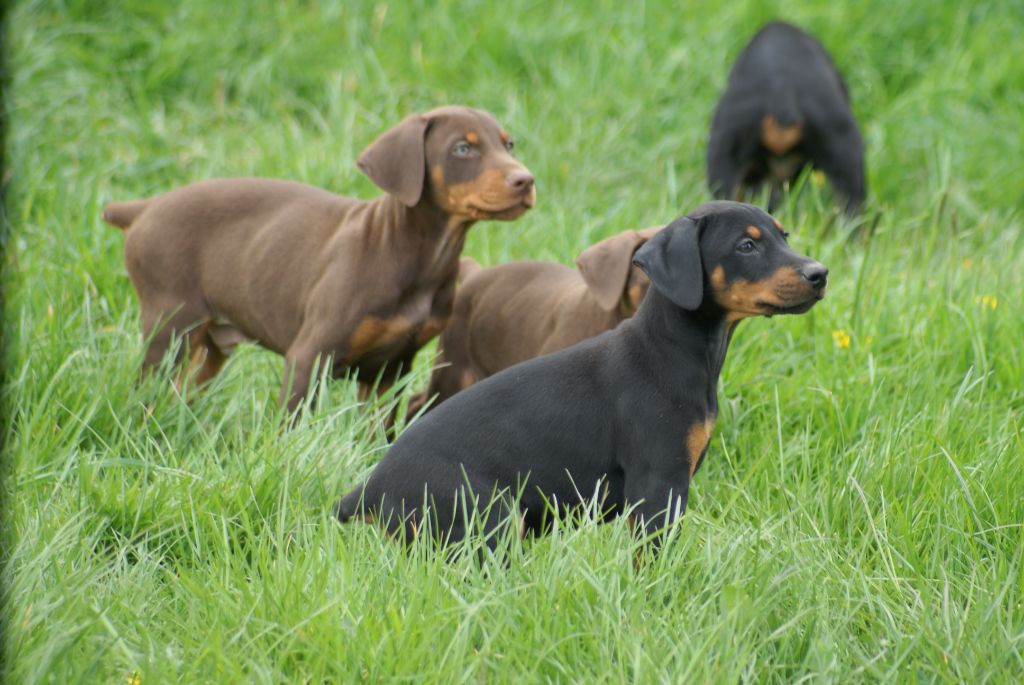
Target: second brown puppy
506, 314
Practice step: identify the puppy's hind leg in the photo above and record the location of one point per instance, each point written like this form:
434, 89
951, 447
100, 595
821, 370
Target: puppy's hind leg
205, 359
162, 325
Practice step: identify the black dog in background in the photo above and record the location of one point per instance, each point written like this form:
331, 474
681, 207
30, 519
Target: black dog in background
625, 416
785, 107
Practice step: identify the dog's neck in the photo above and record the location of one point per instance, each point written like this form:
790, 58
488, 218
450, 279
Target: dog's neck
702, 335
437, 235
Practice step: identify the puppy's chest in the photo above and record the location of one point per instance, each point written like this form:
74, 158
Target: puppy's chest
414, 321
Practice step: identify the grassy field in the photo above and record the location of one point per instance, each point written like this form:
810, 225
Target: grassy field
860, 514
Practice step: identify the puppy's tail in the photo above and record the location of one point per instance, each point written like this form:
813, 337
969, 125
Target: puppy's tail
123, 214
467, 267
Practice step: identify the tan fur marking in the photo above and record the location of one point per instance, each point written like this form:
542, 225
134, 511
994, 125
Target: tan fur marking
778, 224
472, 138
742, 299
437, 178
433, 326
485, 197
505, 137
374, 332
634, 296
718, 278
779, 139
467, 379
754, 232
697, 439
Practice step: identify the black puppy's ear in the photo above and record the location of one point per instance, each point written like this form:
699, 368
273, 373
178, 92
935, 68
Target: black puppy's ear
396, 161
671, 259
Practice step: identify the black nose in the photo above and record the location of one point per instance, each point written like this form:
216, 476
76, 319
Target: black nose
520, 181
816, 273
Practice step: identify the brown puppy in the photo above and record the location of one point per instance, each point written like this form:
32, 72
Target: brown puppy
509, 313
316, 276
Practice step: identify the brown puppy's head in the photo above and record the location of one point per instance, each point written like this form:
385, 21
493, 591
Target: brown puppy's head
731, 260
607, 269
463, 155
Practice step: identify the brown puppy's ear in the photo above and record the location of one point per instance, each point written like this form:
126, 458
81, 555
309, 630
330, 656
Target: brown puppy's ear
396, 161
605, 266
671, 259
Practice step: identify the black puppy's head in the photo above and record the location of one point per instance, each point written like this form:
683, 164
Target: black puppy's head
732, 260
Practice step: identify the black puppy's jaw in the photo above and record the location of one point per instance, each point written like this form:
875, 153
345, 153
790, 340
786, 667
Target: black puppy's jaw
788, 289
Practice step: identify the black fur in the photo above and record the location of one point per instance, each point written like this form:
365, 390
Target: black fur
785, 73
612, 412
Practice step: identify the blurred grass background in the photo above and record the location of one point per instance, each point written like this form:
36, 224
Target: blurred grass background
859, 515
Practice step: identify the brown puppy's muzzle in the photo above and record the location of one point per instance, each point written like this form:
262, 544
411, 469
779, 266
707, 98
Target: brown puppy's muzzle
503, 194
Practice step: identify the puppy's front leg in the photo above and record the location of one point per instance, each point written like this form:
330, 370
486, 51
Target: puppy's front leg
659, 498
299, 365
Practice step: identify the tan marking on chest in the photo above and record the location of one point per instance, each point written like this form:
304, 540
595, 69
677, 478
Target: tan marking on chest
376, 332
697, 439
779, 139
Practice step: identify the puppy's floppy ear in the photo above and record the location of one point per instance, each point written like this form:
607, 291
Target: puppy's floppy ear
671, 259
605, 266
396, 161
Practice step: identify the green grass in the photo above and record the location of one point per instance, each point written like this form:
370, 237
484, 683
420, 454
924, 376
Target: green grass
859, 516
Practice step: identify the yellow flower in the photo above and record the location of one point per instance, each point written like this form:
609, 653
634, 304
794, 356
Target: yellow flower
842, 338
967, 263
989, 301
134, 678
817, 178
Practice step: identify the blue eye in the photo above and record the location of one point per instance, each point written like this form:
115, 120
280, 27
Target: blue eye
461, 149
747, 246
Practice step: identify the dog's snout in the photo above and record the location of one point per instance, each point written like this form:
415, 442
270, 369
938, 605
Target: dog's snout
521, 181
816, 274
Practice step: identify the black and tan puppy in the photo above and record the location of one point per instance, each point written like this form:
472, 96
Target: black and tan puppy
625, 416
512, 312
786, 107
317, 276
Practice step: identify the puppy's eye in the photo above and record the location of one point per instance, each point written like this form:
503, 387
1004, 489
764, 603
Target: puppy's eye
746, 247
785, 236
462, 149
510, 145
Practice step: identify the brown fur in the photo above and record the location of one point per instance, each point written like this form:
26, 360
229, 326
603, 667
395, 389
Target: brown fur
513, 312
313, 275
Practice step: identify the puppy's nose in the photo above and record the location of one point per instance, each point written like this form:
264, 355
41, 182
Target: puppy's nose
815, 273
521, 181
